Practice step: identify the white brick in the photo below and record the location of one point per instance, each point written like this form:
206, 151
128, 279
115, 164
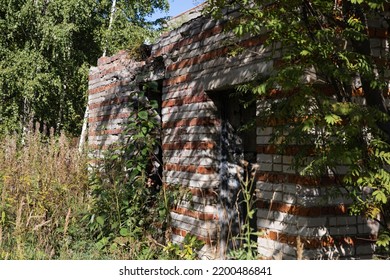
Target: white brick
290, 251
210, 209
287, 159
305, 191
270, 195
364, 229
213, 184
186, 115
273, 225
285, 218
264, 158
192, 130
263, 186
265, 167
190, 107
289, 198
178, 239
263, 140
364, 249
190, 153
277, 168
265, 214
264, 131
277, 159
311, 222
278, 187
266, 243
197, 227
290, 188
347, 220
333, 221
312, 232
310, 201
265, 252
288, 169
342, 230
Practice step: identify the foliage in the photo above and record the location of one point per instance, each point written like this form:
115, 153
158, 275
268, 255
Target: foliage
43, 192
46, 49
246, 242
327, 91
188, 250
129, 27
53, 205
129, 203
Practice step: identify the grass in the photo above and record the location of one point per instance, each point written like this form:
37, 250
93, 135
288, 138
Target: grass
43, 191
50, 205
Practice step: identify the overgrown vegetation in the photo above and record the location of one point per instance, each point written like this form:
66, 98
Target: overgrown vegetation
245, 244
43, 192
129, 204
326, 95
55, 205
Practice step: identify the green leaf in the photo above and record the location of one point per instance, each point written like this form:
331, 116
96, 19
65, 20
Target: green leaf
383, 240
305, 52
332, 119
114, 225
100, 220
380, 196
356, 1
143, 115
154, 104
124, 232
144, 130
3, 216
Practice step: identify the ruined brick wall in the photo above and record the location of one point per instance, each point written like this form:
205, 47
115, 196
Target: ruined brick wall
112, 84
198, 65
203, 153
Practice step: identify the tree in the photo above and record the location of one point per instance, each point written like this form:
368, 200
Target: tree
330, 83
46, 49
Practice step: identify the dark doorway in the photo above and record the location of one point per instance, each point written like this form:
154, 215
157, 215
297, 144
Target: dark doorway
152, 92
237, 144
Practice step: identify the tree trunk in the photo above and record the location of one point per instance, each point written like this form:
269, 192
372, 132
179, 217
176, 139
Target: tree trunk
84, 130
112, 13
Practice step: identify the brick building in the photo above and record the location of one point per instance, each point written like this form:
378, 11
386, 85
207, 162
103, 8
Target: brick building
202, 150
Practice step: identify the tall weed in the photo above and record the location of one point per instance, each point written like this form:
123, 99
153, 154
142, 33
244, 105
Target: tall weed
43, 188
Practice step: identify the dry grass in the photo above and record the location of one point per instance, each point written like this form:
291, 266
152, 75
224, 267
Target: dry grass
43, 184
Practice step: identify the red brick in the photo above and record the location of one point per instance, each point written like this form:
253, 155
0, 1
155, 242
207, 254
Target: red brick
315, 242
115, 100
105, 132
302, 211
108, 117
187, 41
189, 168
183, 233
195, 214
177, 80
185, 100
201, 145
379, 33
198, 59
192, 122
104, 88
